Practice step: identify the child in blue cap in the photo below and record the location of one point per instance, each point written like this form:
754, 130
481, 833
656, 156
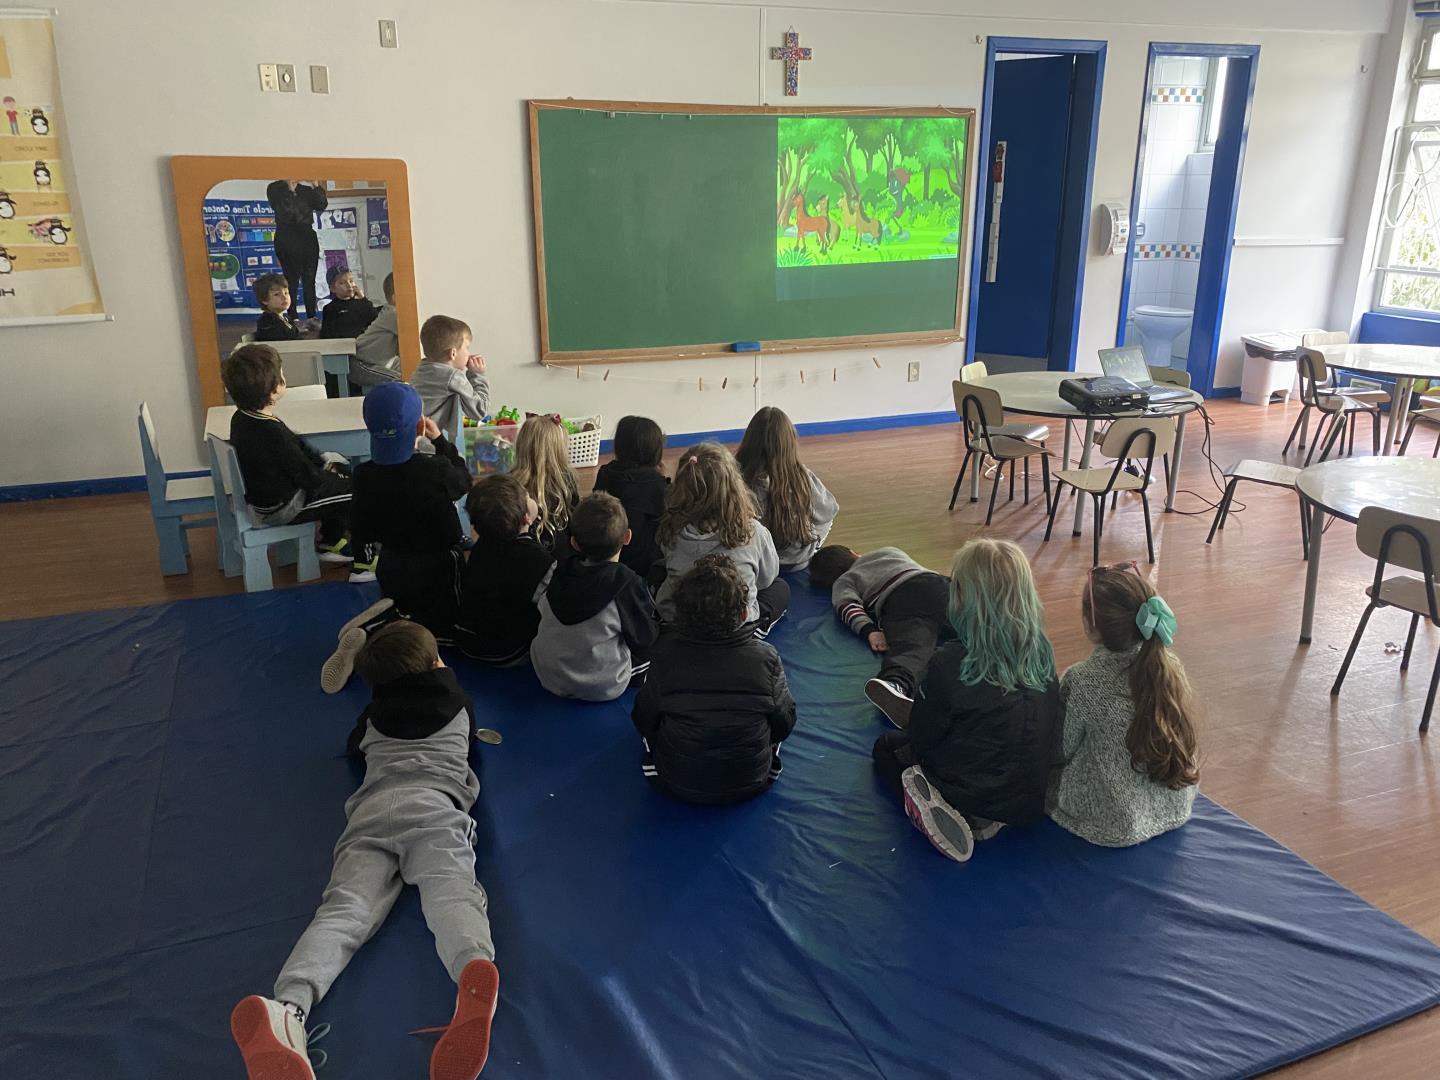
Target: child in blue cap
404, 502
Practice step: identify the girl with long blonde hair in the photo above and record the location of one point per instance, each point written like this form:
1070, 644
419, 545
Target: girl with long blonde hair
709, 510
542, 465
984, 731
794, 505
1131, 753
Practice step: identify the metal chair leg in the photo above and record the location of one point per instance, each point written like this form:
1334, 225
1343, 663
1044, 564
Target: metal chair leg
1054, 507
1045, 476
1026, 463
1149, 539
1219, 522
1318, 436
1012, 478
1409, 642
1295, 430
955, 493
1354, 644
1304, 531
1099, 526
1375, 432
1430, 698
1350, 450
995, 489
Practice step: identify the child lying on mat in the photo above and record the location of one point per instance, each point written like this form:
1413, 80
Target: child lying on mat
895, 605
1131, 759
409, 822
715, 705
984, 734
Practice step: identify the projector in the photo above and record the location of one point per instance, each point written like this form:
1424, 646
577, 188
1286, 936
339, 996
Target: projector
1104, 394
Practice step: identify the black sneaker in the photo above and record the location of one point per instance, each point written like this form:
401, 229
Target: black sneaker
891, 699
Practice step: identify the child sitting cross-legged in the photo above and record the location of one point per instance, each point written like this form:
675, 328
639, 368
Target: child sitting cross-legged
715, 705
984, 734
897, 607
542, 467
711, 511
638, 480
1131, 759
597, 621
794, 505
409, 822
505, 575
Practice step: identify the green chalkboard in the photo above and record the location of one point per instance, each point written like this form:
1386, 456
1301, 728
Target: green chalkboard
662, 231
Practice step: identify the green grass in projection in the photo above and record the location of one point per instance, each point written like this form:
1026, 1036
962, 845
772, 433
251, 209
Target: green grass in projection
875, 190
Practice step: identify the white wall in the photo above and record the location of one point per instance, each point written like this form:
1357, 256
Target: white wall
450, 102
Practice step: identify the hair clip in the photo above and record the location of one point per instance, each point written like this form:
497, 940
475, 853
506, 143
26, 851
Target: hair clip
1156, 619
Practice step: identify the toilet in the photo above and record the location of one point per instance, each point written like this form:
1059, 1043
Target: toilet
1157, 328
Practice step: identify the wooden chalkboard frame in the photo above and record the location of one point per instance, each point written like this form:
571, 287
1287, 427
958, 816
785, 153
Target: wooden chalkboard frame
714, 349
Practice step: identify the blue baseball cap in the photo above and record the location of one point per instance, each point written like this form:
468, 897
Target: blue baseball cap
392, 410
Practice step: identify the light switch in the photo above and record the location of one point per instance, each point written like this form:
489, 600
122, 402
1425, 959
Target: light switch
913, 373
387, 34
269, 78
319, 79
287, 77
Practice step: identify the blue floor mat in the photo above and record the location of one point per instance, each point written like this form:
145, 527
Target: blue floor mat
172, 782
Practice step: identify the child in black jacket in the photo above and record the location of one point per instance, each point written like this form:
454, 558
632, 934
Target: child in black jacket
275, 323
505, 575
637, 480
715, 705
349, 313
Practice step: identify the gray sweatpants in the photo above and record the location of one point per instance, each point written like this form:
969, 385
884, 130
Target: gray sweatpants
395, 835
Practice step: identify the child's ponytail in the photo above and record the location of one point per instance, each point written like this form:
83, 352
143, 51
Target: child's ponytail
1124, 610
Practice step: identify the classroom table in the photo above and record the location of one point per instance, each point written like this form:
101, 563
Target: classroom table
334, 353
1403, 363
1344, 487
336, 424
1037, 393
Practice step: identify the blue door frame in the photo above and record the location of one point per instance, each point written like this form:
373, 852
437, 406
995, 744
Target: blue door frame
1079, 185
1218, 241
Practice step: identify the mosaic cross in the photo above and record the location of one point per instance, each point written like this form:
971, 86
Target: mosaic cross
792, 54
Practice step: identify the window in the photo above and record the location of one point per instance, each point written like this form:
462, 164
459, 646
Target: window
1409, 252
1215, 101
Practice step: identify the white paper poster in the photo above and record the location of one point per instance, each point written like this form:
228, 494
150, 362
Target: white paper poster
45, 271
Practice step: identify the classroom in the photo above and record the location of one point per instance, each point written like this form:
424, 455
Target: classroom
711, 539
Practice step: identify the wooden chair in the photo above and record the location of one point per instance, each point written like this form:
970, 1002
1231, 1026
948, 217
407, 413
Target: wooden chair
1169, 377
969, 373
173, 501
1429, 412
1261, 472
983, 418
247, 545
1125, 440
1337, 406
1411, 543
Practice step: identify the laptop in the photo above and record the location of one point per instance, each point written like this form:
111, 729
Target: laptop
1129, 363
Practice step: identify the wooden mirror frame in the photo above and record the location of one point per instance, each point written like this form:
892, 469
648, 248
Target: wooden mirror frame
194, 178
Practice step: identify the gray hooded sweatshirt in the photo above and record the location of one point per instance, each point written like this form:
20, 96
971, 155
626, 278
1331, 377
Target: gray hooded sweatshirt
757, 562
447, 394
377, 351
823, 509
597, 623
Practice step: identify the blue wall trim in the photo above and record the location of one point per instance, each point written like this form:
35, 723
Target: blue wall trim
67, 489
1223, 391
1392, 328
819, 427
1056, 46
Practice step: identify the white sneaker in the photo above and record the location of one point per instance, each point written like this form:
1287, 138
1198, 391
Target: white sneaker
891, 699
338, 553
271, 1038
943, 825
361, 577
336, 671
370, 614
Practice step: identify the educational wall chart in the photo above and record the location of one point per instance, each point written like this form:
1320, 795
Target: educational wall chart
240, 236
45, 270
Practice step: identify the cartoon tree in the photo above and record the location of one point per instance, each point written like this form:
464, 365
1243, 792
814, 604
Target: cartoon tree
808, 147
954, 139
924, 140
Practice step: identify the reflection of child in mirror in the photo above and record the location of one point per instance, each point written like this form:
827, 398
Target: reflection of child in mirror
349, 311
377, 348
273, 295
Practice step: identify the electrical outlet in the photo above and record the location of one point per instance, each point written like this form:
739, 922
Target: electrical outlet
269, 79
287, 77
387, 34
914, 371
319, 79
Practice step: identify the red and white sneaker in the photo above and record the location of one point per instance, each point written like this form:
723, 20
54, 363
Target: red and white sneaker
461, 1052
943, 825
271, 1038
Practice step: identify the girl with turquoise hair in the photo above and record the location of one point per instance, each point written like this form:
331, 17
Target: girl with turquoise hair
984, 731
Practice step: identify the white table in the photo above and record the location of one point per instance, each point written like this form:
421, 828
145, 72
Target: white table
334, 353
1403, 363
1346, 486
336, 424
1037, 393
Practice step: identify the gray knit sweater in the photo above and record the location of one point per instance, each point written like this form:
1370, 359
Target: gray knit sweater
1099, 795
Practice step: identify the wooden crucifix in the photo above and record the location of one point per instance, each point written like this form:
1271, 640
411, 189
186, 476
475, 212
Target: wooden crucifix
792, 54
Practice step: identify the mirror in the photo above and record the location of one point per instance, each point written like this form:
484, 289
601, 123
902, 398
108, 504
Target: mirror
319, 237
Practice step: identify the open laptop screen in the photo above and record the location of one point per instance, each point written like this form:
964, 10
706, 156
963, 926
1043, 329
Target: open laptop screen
1127, 362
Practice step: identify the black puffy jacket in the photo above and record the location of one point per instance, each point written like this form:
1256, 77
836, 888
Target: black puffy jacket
990, 753
712, 712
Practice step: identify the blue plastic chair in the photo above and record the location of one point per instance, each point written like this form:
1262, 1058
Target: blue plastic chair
173, 501
246, 545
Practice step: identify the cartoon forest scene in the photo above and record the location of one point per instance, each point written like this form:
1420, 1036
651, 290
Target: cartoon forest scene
887, 189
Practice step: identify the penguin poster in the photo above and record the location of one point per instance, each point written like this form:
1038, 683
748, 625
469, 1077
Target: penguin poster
46, 274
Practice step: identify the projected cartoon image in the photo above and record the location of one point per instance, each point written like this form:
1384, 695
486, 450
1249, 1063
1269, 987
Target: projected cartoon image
852, 191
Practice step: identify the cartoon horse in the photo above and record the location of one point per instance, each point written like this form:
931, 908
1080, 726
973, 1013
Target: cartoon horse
861, 224
826, 230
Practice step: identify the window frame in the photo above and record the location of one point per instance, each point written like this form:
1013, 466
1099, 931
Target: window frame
1209, 127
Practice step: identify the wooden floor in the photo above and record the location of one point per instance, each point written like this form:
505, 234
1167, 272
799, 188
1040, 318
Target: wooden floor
1346, 783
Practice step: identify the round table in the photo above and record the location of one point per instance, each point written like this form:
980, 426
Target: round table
1403, 363
1344, 487
1037, 393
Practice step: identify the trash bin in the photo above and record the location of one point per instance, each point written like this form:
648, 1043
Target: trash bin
1270, 365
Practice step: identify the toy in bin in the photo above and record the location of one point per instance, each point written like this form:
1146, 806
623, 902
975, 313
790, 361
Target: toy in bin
490, 444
